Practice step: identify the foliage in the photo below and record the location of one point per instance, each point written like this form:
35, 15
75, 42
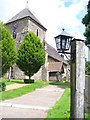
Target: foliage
62, 84
31, 54
12, 81
2, 86
23, 90
29, 81
8, 52
86, 21
87, 68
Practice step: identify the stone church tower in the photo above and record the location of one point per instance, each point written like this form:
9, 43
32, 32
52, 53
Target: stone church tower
18, 26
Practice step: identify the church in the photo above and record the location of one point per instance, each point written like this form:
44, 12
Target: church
55, 66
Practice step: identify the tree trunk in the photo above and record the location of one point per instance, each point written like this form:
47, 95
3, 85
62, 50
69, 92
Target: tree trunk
29, 77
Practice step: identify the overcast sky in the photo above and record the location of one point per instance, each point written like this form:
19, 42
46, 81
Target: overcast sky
53, 14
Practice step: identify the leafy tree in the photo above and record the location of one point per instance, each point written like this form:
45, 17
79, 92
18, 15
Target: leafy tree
86, 21
7, 50
31, 54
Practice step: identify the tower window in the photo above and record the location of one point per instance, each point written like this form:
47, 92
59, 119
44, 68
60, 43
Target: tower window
14, 34
37, 32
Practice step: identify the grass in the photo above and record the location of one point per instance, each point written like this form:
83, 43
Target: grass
23, 90
62, 107
12, 81
61, 110
61, 84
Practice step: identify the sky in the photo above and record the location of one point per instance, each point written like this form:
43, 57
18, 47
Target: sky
53, 14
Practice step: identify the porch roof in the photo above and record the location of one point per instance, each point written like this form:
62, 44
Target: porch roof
55, 66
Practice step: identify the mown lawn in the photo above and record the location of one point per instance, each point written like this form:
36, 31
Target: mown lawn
61, 110
62, 107
12, 81
23, 90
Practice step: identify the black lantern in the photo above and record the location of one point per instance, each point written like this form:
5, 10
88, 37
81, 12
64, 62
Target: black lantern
63, 41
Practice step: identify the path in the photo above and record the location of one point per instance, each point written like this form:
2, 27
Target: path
32, 105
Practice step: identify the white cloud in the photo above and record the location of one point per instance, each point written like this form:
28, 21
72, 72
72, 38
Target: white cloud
52, 14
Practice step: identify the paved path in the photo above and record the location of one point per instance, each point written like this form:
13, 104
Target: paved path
32, 105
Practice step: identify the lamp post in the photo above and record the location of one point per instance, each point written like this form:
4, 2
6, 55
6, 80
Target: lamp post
77, 72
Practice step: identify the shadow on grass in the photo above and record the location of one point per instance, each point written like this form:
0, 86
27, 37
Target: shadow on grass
20, 82
61, 84
12, 81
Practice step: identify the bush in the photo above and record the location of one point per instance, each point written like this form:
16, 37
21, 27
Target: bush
28, 81
2, 86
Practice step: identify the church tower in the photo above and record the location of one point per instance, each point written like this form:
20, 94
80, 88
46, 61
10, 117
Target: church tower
18, 26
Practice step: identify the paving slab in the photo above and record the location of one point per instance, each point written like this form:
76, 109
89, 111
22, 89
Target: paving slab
32, 105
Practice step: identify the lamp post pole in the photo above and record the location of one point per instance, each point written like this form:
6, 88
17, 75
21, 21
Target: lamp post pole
77, 81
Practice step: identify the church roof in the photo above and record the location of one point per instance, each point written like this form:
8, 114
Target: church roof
54, 54
55, 66
23, 14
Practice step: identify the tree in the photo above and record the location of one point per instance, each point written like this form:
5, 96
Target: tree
31, 54
8, 52
86, 21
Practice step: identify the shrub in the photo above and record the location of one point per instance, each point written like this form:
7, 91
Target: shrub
2, 86
28, 81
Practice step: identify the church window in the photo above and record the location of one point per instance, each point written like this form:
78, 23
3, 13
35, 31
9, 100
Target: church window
37, 32
14, 34
14, 30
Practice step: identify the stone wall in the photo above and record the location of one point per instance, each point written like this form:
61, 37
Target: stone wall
38, 75
50, 59
21, 30
37, 30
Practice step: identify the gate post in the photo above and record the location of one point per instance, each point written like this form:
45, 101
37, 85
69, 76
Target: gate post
77, 81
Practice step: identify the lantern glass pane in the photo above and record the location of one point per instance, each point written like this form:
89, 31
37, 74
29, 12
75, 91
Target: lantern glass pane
63, 44
67, 44
57, 40
58, 43
58, 46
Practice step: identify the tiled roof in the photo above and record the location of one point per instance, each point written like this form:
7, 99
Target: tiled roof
25, 13
54, 54
55, 66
